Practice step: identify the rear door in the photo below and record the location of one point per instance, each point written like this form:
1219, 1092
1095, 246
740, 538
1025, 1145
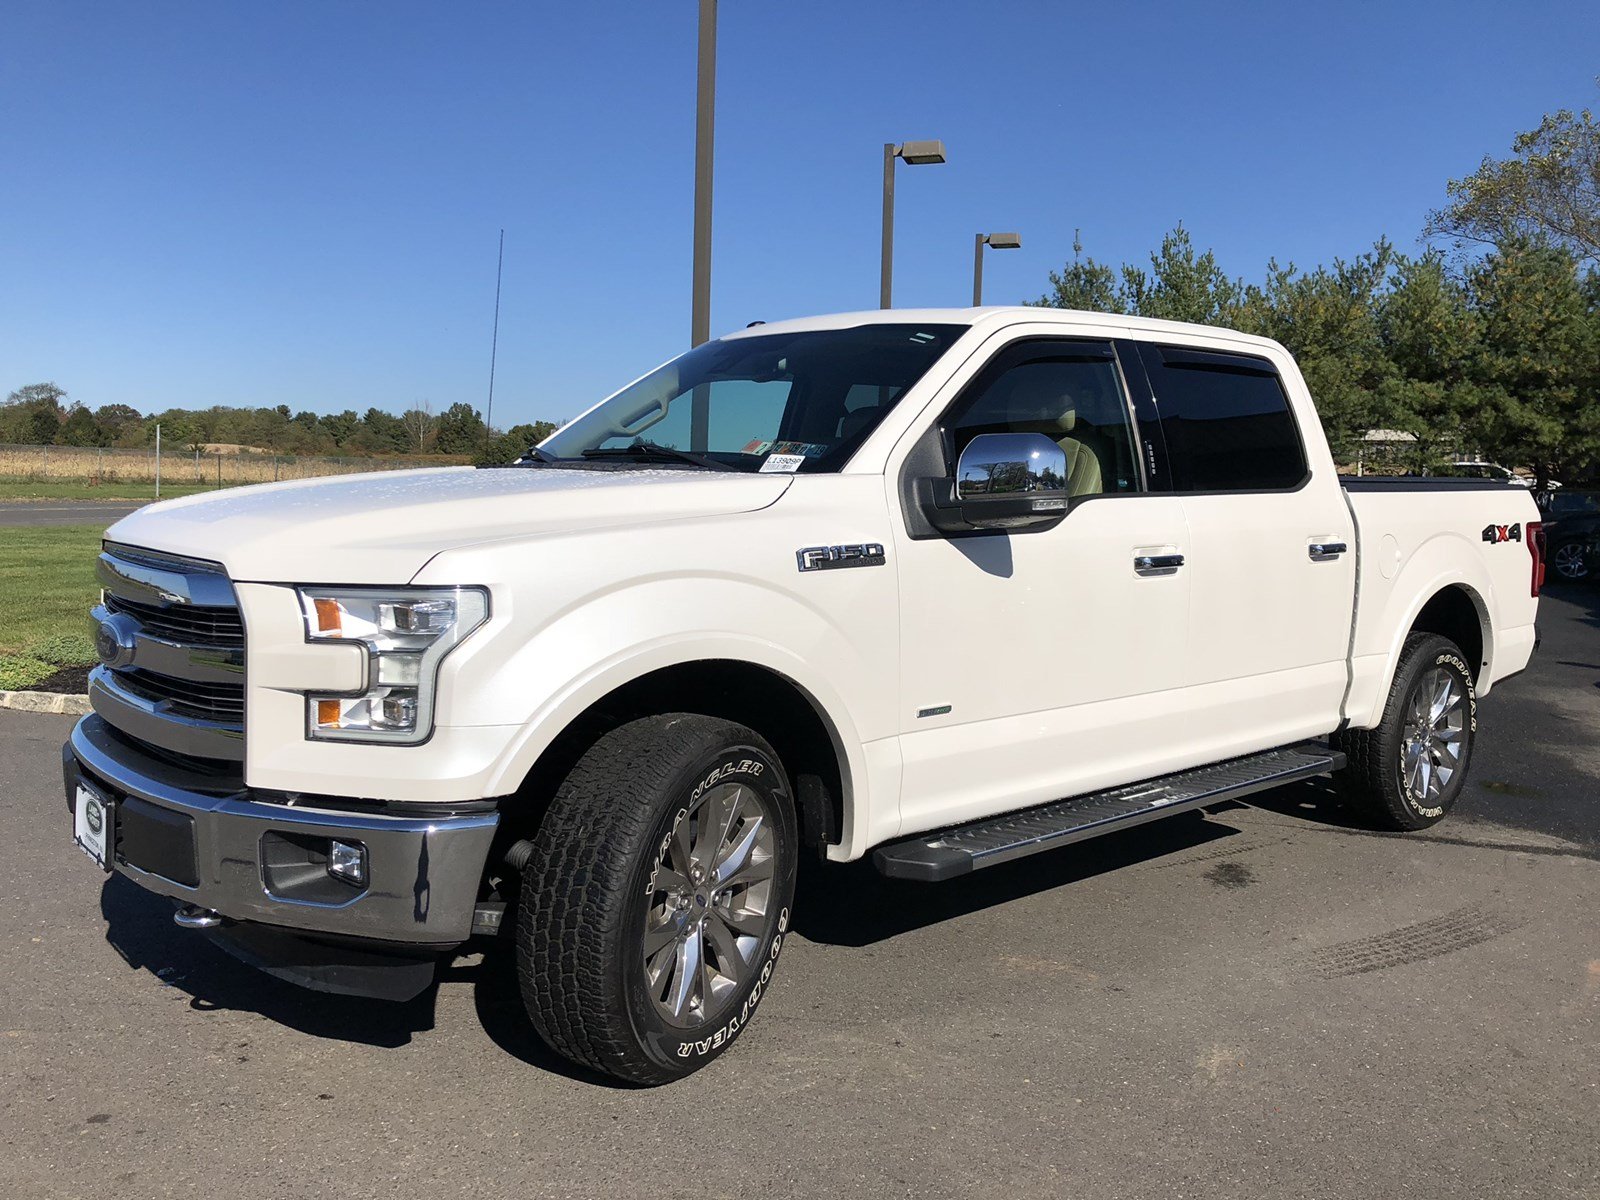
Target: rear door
1272, 562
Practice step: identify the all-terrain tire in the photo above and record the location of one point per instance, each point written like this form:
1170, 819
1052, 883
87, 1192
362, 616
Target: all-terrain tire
585, 904
1374, 783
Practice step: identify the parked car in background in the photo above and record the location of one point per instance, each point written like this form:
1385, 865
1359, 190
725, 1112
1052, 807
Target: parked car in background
1477, 468
1572, 528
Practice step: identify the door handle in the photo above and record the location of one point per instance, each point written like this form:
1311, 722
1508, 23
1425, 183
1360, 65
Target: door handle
1323, 551
1156, 564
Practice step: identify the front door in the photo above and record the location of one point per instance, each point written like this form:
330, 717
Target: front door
1044, 663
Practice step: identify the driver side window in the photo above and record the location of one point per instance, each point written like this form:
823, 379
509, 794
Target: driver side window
1070, 392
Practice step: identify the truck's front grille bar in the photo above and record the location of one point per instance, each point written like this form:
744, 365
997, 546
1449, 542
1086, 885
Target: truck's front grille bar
220, 702
192, 624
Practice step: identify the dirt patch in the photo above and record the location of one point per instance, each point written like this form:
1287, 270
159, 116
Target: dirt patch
1231, 875
72, 680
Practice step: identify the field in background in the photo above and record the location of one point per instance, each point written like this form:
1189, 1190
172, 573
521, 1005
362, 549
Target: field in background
93, 468
47, 586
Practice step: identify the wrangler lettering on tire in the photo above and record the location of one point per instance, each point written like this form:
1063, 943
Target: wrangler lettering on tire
655, 905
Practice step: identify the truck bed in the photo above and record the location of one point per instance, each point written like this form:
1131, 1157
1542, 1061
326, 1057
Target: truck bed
1413, 536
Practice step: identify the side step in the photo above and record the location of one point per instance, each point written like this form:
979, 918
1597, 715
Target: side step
963, 849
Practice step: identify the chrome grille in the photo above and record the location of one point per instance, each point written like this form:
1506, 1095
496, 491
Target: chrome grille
171, 642
187, 697
192, 625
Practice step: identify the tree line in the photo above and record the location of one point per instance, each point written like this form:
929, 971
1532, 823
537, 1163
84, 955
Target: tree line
1488, 342
42, 414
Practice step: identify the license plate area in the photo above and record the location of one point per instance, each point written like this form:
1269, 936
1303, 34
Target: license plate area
94, 825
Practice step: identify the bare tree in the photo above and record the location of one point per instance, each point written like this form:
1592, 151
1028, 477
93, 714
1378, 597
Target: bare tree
421, 426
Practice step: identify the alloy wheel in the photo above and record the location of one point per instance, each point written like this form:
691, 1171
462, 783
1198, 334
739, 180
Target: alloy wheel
1570, 561
709, 903
1433, 736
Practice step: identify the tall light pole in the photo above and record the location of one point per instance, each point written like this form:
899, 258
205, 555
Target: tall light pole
704, 122
915, 154
995, 241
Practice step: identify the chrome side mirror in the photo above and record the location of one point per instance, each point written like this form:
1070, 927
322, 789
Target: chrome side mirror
1011, 480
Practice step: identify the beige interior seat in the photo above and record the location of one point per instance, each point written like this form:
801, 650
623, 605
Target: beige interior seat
1087, 451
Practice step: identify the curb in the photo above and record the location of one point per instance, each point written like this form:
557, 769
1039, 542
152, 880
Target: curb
46, 702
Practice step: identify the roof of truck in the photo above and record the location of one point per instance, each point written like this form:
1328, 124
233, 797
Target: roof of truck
997, 315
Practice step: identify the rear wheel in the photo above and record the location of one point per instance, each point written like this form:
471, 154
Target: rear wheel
1408, 771
657, 898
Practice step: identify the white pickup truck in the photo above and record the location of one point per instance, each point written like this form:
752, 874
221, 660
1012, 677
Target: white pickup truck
946, 587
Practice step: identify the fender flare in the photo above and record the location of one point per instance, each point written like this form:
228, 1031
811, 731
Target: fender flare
628, 664
1419, 595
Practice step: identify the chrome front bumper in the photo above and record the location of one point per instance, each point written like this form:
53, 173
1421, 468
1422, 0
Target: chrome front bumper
423, 871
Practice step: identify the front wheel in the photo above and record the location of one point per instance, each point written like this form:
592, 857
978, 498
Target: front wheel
657, 898
1408, 771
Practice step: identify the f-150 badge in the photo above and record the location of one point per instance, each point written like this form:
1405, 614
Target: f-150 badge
831, 558
1502, 533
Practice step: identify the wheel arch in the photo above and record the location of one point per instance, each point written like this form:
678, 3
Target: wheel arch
800, 728
1457, 612
1447, 606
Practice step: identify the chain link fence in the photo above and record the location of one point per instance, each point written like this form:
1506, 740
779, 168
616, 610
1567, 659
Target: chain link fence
93, 465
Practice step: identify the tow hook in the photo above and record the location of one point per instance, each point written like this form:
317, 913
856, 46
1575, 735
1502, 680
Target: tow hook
192, 916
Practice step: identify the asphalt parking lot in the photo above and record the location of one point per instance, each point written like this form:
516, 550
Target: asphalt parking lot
88, 512
1257, 1001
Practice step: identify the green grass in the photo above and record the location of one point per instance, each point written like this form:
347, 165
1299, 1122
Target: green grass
71, 490
47, 586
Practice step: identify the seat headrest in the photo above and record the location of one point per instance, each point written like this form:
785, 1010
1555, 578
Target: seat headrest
855, 421
1067, 420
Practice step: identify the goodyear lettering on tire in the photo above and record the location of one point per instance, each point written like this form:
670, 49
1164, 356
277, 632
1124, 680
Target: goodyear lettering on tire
738, 1021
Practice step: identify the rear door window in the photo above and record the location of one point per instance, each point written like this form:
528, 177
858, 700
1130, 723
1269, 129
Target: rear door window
1225, 420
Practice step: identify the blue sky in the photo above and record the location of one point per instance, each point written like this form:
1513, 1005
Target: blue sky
299, 203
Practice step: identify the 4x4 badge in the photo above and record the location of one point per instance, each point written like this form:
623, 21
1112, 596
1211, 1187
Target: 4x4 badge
1502, 533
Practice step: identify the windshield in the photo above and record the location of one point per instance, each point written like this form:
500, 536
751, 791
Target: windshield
769, 402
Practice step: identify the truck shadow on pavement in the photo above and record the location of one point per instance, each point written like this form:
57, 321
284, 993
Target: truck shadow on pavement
836, 904
139, 928
850, 904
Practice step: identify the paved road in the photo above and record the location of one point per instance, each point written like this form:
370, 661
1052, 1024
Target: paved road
63, 512
1259, 1001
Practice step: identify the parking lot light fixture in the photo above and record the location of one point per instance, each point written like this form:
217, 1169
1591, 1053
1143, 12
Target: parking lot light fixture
995, 241
916, 154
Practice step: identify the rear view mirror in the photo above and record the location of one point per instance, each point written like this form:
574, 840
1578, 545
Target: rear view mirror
1013, 464
1002, 481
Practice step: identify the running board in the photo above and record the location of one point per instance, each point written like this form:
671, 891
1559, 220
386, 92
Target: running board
963, 849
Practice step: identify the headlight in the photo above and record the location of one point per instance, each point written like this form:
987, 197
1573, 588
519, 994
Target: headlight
406, 632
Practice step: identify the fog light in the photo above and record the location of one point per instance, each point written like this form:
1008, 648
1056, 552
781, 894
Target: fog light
348, 861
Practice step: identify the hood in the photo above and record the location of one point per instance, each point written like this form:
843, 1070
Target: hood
382, 527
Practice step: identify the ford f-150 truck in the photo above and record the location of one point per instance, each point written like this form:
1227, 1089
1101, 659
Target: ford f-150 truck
943, 587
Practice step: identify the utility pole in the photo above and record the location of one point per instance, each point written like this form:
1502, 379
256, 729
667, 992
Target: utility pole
705, 113
704, 130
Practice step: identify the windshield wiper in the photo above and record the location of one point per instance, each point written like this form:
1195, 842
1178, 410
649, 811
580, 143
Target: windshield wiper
651, 451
